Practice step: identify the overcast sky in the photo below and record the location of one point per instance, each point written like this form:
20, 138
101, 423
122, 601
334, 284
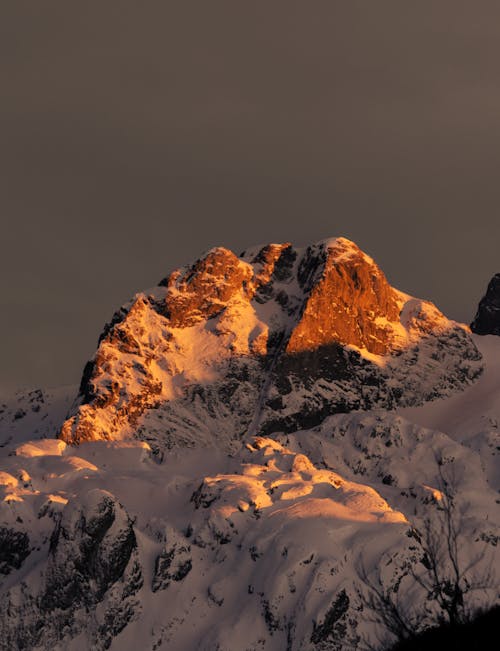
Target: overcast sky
135, 135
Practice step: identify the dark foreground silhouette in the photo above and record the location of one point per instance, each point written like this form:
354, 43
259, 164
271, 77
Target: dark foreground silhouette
481, 634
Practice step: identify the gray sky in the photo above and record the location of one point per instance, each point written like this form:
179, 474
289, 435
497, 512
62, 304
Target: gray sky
135, 135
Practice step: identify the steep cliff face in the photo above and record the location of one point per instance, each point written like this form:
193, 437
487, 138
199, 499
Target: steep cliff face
487, 319
349, 303
276, 339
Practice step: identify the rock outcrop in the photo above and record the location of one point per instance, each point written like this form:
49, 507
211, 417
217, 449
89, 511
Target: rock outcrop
275, 339
487, 319
91, 566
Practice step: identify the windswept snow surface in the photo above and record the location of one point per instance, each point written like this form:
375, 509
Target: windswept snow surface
34, 413
103, 546
471, 417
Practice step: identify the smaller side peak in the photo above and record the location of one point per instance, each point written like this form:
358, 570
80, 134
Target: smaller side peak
494, 284
219, 263
214, 260
487, 319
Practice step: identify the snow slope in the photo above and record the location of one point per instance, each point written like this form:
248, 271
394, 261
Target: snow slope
259, 549
471, 417
34, 413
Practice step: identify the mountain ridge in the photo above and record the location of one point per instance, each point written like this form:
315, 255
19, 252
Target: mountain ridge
279, 331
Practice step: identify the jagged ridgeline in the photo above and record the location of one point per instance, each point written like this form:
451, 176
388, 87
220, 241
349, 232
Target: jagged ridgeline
273, 340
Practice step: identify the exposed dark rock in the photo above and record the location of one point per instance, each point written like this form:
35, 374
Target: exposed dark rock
487, 319
272, 621
89, 552
92, 562
173, 564
14, 548
87, 389
331, 632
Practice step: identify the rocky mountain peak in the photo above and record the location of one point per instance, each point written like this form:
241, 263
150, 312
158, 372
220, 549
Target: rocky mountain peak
274, 339
350, 303
202, 290
487, 319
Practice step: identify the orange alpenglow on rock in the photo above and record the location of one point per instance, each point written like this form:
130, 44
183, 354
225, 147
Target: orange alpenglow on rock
274, 340
347, 304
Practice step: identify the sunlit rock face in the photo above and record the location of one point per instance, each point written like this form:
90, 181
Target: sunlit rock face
487, 319
349, 302
275, 339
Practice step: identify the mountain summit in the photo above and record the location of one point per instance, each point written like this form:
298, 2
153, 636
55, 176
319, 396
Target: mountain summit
273, 340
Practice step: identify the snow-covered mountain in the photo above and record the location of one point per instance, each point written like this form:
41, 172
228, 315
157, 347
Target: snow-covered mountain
274, 340
252, 436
